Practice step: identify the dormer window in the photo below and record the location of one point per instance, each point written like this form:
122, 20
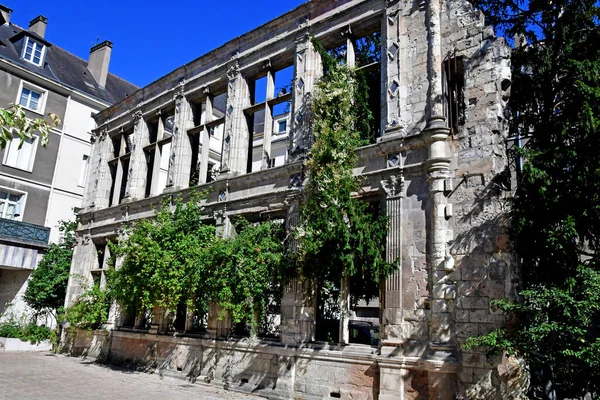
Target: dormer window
33, 51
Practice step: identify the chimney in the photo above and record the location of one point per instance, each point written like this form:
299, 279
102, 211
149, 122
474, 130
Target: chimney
99, 60
38, 25
4, 14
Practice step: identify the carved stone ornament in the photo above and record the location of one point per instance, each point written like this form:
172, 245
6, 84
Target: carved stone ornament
98, 136
137, 116
393, 186
296, 181
233, 71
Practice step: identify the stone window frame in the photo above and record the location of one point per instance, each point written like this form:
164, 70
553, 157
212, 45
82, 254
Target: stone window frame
157, 143
119, 165
206, 124
272, 99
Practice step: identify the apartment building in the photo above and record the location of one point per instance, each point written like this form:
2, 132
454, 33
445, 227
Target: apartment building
41, 186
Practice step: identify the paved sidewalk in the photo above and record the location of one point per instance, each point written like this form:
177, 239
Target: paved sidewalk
29, 376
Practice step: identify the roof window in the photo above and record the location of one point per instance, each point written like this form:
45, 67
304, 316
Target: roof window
33, 51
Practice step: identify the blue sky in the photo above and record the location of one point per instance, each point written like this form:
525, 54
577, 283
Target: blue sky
151, 38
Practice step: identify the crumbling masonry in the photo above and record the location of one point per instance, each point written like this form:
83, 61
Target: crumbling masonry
437, 165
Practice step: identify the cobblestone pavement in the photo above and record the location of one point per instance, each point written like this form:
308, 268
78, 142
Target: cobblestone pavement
29, 376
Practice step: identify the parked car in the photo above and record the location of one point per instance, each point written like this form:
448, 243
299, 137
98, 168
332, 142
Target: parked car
363, 332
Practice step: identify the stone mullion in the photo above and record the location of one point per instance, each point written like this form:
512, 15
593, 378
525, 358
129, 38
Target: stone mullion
181, 150
268, 124
236, 140
137, 164
391, 38
205, 142
308, 69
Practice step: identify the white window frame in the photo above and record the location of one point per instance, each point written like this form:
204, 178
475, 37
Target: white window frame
85, 160
23, 200
34, 88
35, 44
15, 141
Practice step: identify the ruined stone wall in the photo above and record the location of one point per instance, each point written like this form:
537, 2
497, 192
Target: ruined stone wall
443, 187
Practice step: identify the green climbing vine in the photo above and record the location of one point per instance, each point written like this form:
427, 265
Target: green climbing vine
340, 235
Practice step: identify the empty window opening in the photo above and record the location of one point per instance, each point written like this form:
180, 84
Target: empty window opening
100, 254
454, 84
124, 178
157, 152
113, 179
277, 87
367, 50
206, 138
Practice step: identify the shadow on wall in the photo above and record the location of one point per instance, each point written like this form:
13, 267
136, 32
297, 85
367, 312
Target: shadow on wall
12, 285
242, 365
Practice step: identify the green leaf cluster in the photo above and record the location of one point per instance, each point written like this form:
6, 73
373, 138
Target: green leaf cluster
14, 123
47, 286
555, 214
90, 311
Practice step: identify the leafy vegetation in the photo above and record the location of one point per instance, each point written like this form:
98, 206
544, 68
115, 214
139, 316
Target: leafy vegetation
340, 235
14, 123
556, 211
183, 260
26, 332
47, 286
90, 311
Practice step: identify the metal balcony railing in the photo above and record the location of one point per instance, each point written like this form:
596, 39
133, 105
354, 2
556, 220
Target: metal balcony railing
23, 232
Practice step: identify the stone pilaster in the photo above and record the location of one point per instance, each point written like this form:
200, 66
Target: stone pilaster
99, 180
392, 296
391, 39
84, 258
181, 149
308, 69
136, 183
236, 137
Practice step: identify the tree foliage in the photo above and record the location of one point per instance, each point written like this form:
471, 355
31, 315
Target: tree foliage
14, 123
47, 286
176, 257
556, 210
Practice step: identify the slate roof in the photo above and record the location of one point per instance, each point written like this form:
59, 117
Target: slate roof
64, 67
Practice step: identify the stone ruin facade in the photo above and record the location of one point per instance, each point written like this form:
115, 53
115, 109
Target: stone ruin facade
438, 166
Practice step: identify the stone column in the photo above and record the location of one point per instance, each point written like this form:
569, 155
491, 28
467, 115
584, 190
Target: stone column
308, 69
298, 311
181, 150
136, 183
441, 359
99, 179
391, 39
236, 138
